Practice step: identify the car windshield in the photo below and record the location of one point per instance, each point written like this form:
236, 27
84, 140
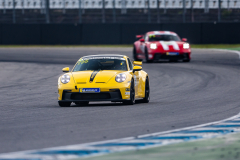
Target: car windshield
163, 37
100, 63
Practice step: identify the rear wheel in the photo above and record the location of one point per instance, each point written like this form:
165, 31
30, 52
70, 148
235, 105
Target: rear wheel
146, 99
135, 55
64, 104
84, 103
132, 95
146, 56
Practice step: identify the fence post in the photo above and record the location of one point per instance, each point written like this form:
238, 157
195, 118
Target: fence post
206, 9
47, 11
79, 11
158, 14
123, 10
14, 12
219, 10
184, 11
23, 2
149, 11
64, 9
114, 12
165, 7
103, 11
192, 14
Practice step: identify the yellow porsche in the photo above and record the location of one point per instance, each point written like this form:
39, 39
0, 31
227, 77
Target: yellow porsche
112, 78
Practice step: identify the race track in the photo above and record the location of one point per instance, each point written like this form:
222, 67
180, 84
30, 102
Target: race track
182, 95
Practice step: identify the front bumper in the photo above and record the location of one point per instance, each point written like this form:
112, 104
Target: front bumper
164, 56
183, 56
113, 95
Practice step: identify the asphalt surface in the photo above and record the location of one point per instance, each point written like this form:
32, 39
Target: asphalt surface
182, 95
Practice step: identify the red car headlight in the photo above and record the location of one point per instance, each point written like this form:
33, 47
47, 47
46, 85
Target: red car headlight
186, 45
153, 46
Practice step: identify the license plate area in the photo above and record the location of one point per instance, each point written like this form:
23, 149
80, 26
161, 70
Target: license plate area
89, 90
172, 53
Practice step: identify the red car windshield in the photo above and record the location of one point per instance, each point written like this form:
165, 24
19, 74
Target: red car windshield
163, 37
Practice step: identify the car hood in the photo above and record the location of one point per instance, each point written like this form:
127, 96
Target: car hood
169, 45
84, 77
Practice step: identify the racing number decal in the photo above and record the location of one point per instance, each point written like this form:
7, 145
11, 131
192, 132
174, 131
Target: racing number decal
166, 45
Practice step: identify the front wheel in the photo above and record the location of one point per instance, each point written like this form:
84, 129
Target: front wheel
64, 104
135, 55
132, 95
146, 56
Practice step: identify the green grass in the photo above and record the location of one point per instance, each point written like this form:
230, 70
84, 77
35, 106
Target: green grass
223, 148
202, 46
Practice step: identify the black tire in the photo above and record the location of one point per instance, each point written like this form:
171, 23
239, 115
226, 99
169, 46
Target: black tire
64, 104
135, 54
146, 99
132, 95
186, 60
146, 56
84, 103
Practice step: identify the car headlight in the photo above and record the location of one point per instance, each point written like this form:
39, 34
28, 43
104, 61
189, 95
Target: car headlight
186, 45
121, 77
65, 78
153, 46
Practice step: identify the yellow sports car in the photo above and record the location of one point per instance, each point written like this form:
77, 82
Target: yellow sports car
103, 78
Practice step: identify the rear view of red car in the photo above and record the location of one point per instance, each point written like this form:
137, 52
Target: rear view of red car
157, 45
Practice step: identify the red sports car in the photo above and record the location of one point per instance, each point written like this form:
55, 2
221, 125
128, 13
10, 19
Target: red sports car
156, 45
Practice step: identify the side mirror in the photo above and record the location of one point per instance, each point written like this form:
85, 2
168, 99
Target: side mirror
184, 39
139, 36
139, 63
142, 40
66, 69
137, 68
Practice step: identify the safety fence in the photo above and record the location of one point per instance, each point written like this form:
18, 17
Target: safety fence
75, 34
119, 11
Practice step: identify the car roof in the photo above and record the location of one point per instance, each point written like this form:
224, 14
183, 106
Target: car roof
162, 32
105, 55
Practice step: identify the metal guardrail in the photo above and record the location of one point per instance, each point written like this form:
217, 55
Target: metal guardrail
128, 4
15, 9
